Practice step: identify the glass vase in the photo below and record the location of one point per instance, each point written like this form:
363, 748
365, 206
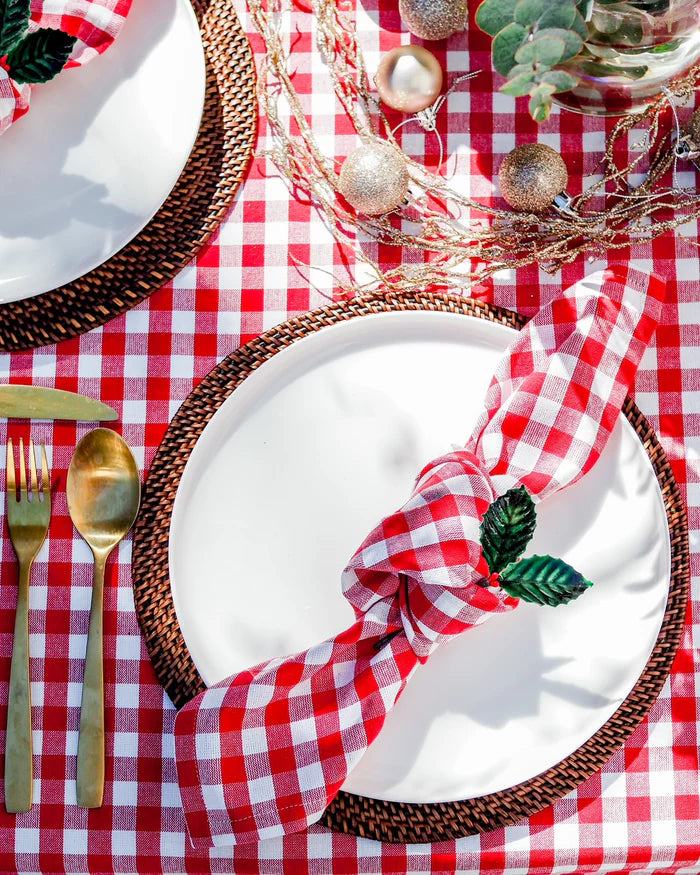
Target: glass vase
633, 50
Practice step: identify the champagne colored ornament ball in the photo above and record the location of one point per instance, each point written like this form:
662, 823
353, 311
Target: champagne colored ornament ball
409, 78
531, 176
374, 179
433, 19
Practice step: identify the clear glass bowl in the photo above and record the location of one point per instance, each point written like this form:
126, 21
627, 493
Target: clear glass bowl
633, 50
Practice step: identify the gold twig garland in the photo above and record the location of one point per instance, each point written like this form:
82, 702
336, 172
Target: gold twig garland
606, 216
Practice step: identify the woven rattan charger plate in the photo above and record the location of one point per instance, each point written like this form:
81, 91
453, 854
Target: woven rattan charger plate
387, 821
193, 210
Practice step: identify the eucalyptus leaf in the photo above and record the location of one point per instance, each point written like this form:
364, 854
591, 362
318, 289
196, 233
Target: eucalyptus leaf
559, 80
520, 85
547, 50
580, 27
507, 527
585, 9
14, 20
527, 12
596, 68
543, 580
505, 44
40, 55
540, 104
558, 15
493, 15
572, 41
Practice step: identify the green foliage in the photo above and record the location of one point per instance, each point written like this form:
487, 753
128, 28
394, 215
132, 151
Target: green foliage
534, 41
506, 530
507, 527
40, 55
543, 580
14, 20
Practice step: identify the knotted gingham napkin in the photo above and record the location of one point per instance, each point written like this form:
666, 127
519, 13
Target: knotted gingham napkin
264, 752
95, 23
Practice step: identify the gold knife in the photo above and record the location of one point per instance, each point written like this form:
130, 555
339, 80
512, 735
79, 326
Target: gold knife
38, 402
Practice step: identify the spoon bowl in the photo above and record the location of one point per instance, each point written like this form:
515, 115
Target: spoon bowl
103, 490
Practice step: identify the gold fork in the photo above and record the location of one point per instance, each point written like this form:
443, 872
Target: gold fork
28, 522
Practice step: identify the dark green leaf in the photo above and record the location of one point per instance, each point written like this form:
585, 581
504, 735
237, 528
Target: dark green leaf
540, 104
493, 15
519, 85
40, 55
585, 9
546, 50
559, 80
572, 41
527, 12
506, 43
558, 15
507, 527
14, 20
543, 580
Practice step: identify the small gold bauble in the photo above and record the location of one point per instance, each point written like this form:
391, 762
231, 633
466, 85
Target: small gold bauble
409, 78
374, 179
531, 176
433, 19
691, 132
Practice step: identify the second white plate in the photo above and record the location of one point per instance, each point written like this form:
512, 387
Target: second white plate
305, 457
99, 151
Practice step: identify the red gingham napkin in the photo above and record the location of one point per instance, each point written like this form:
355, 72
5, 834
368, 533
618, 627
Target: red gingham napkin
264, 752
95, 23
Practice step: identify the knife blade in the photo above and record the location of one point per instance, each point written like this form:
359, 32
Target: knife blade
39, 402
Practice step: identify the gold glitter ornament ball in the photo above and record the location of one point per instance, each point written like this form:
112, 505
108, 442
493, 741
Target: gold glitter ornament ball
433, 19
409, 78
691, 132
374, 179
531, 176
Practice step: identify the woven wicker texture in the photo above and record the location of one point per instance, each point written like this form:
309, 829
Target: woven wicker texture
387, 821
193, 210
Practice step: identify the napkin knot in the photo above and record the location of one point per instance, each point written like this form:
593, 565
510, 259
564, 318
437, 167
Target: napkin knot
427, 557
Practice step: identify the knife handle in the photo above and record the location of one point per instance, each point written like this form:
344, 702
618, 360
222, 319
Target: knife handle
90, 778
18, 738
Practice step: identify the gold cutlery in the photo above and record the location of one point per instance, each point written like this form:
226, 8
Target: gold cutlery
38, 402
103, 491
28, 521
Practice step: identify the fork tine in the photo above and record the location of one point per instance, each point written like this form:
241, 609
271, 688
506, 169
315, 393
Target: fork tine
10, 471
22, 472
33, 479
44, 473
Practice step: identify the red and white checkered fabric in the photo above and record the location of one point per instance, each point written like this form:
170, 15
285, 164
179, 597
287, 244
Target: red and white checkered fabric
263, 753
640, 813
95, 23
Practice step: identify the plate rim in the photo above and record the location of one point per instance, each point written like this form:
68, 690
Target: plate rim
358, 815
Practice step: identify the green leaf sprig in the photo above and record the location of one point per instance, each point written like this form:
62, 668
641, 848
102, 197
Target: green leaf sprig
31, 57
536, 42
506, 529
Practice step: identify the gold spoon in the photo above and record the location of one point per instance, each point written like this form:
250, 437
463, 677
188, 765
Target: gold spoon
103, 491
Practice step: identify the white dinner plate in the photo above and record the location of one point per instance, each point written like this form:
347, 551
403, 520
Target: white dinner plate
99, 151
305, 457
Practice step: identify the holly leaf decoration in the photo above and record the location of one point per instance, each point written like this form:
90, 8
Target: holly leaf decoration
507, 527
40, 55
14, 20
543, 580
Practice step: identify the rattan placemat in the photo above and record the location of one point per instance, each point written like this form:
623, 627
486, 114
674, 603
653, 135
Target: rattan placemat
387, 821
193, 210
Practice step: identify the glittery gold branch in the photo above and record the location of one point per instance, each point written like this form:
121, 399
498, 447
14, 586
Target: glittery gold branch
606, 216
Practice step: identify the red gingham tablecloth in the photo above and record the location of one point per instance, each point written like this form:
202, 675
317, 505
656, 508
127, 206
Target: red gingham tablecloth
641, 812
